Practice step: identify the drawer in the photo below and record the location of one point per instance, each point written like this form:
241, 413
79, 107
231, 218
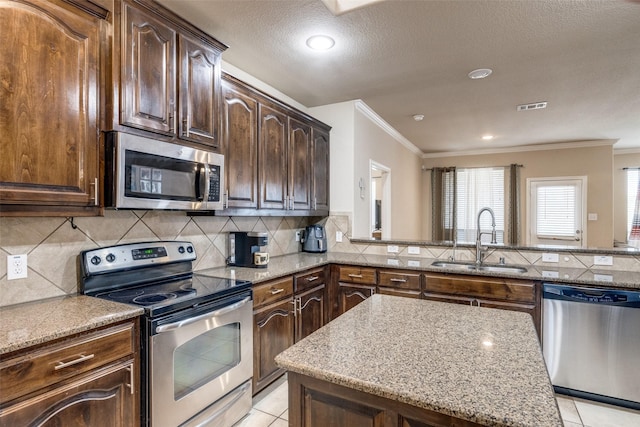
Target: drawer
49, 365
398, 279
481, 287
275, 290
309, 279
362, 275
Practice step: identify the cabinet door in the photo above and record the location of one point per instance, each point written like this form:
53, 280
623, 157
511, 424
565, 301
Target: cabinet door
104, 398
148, 77
272, 334
240, 136
299, 165
199, 81
310, 312
50, 101
272, 149
351, 295
320, 167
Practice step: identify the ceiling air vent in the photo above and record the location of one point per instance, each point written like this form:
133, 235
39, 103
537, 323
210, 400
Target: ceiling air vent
533, 106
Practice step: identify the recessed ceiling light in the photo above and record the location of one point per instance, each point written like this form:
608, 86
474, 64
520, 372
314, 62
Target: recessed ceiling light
487, 137
320, 42
418, 117
480, 73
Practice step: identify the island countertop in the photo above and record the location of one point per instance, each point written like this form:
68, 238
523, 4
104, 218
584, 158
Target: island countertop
478, 364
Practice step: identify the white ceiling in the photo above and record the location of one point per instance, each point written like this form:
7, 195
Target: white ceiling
405, 57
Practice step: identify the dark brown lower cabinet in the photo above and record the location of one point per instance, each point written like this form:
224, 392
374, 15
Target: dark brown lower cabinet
350, 295
310, 312
316, 403
272, 334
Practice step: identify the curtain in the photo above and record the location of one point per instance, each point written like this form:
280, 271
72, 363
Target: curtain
513, 206
443, 203
634, 233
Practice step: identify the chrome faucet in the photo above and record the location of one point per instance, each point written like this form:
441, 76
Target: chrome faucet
481, 250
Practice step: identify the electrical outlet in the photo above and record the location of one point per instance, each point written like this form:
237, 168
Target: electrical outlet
297, 236
602, 260
413, 250
392, 249
550, 258
16, 267
338, 236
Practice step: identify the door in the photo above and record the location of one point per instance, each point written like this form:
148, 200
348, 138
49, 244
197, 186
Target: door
310, 312
49, 57
351, 295
272, 154
199, 79
556, 210
148, 83
321, 173
240, 130
299, 165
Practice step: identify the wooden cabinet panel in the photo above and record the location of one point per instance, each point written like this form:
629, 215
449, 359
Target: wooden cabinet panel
407, 293
299, 165
476, 286
50, 72
310, 279
362, 275
272, 334
351, 295
149, 65
310, 311
320, 167
272, 155
272, 291
399, 279
240, 130
199, 77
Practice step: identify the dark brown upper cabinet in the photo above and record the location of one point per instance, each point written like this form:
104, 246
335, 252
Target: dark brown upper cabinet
50, 58
320, 167
272, 155
300, 171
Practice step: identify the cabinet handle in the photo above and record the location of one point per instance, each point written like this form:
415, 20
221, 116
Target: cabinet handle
290, 203
393, 279
312, 278
131, 384
276, 291
315, 203
225, 199
355, 276
96, 201
295, 306
80, 359
171, 125
185, 131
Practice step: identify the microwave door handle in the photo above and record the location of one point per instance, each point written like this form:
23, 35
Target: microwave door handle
216, 313
201, 182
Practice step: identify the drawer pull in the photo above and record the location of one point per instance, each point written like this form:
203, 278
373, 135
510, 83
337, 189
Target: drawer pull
80, 359
277, 291
130, 385
355, 276
393, 279
312, 278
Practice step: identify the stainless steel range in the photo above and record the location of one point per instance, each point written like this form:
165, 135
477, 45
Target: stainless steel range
197, 345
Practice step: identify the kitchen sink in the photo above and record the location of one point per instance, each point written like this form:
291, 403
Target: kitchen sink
491, 268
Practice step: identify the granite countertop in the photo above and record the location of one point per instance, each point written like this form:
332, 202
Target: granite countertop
479, 364
28, 324
301, 261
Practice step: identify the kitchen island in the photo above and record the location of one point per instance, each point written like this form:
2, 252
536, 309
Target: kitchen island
394, 361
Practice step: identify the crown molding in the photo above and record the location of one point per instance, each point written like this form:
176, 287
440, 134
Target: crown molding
525, 148
375, 118
627, 151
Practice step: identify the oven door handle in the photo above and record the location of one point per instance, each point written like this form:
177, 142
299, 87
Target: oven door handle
216, 313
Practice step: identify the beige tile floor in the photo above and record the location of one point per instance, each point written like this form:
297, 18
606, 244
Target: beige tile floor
270, 409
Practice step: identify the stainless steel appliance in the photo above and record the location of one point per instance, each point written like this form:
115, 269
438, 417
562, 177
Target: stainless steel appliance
142, 173
245, 249
591, 342
197, 336
314, 239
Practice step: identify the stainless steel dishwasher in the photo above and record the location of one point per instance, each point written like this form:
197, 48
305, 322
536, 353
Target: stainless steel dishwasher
591, 342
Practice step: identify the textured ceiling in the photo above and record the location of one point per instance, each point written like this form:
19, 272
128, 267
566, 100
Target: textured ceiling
406, 57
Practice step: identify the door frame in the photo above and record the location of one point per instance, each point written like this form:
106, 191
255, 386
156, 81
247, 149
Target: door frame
386, 198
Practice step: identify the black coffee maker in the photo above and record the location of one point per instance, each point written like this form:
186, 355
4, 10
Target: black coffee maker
314, 239
245, 249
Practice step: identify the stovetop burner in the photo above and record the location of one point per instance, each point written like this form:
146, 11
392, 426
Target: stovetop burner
153, 298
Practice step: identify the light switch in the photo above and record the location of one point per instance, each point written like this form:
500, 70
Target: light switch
592, 217
414, 250
338, 236
602, 260
392, 249
550, 258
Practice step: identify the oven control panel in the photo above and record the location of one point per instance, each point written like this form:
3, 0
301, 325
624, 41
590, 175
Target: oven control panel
132, 255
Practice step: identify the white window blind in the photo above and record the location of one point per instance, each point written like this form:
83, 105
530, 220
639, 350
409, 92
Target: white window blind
556, 213
632, 191
477, 188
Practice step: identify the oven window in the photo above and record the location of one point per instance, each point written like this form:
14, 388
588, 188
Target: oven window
205, 358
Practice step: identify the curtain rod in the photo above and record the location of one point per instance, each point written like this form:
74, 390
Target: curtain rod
476, 167
631, 169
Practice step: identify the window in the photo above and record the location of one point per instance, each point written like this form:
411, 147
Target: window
477, 188
633, 176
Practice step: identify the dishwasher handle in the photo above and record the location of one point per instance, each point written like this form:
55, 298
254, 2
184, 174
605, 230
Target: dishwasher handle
615, 297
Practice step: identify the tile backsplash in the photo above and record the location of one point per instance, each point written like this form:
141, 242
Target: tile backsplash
53, 244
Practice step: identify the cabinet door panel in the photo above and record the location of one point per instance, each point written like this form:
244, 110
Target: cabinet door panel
199, 76
311, 309
272, 334
149, 88
299, 165
49, 58
320, 167
101, 399
273, 158
351, 295
240, 129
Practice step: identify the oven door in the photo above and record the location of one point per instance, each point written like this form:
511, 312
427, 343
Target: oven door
197, 357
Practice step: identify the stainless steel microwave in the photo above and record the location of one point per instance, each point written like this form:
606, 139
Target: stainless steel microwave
143, 173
